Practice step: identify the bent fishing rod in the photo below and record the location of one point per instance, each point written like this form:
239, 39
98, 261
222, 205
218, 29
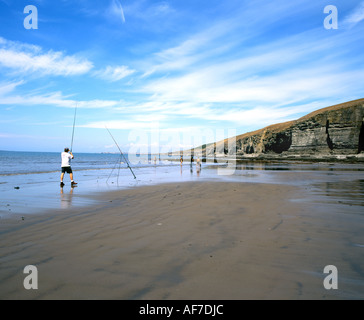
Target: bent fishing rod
73, 131
121, 152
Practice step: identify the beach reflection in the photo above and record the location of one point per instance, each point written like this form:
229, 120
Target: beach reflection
343, 192
66, 198
198, 169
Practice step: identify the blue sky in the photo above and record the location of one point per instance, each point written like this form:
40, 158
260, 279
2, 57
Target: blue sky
170, 68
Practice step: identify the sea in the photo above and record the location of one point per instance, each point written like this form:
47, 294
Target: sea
19, 162
30, 181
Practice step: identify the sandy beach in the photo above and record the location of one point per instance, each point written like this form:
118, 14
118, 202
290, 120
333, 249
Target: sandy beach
189, 240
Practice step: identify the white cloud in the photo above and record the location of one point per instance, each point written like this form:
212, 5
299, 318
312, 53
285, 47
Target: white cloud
356, 16
9, 96
116, 124
9, 87
149, 11
24, 58
197, 49
142, 120
115, 11
56, 99
114, 73
205, 87
195, 80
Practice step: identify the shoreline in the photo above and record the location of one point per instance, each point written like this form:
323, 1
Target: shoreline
357, 158
188, 240
38, 192
336, 158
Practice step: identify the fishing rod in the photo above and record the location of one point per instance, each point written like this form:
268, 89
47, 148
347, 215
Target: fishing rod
117, 163
73, 131
121, 152
119, 160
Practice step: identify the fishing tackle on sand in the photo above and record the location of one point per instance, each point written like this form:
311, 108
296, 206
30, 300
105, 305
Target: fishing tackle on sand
126, 161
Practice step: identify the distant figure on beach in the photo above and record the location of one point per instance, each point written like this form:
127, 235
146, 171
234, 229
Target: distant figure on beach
181, 160
198, 163
155, 160
66, 157
191, 159
198, 167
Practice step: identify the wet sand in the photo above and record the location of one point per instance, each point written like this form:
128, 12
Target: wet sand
189, 240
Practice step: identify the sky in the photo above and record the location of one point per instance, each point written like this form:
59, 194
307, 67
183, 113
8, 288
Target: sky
163, 74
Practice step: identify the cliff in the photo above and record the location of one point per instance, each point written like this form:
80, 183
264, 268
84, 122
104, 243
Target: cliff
335, 130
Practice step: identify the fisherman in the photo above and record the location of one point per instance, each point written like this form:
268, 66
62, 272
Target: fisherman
66, 166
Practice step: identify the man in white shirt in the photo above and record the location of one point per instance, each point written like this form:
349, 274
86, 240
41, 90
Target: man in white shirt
66, 166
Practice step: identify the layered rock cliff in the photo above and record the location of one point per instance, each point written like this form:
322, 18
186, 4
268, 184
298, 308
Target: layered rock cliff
336, 130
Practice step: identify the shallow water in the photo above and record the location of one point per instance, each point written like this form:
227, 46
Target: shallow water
24, 192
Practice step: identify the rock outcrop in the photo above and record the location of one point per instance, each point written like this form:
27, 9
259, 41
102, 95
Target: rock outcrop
335, 130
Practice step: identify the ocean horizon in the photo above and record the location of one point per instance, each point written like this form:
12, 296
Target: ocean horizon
29, 162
